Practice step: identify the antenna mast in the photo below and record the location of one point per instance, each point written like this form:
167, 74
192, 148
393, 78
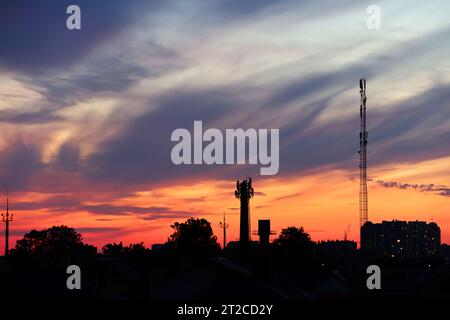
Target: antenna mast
244, 192
224, 226
363, 137
7, 218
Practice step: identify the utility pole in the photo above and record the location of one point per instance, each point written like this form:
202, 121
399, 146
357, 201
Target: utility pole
224, 226
363, 137
7, 218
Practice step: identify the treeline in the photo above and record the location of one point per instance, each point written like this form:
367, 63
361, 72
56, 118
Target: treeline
191, 239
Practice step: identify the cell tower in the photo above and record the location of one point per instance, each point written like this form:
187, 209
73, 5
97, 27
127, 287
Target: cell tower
363, 137
224, 225
7, 218
244, 192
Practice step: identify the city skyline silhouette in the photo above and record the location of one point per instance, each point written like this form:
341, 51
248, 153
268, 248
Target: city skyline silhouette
87, 114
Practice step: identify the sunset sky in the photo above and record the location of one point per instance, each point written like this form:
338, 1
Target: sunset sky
86, 116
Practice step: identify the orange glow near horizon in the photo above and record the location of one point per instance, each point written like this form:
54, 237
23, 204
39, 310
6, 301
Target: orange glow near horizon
87, 117
325, 203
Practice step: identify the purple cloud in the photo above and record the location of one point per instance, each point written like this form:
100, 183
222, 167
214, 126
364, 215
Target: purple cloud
438, 189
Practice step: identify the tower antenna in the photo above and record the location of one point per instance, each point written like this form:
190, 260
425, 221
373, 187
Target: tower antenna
244, 191
224, 225
7, 218
363, 137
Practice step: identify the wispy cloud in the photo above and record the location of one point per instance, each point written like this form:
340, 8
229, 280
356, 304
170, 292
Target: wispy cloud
438, 189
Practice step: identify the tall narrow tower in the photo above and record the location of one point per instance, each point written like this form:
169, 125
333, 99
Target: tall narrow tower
363, 137
224, 226
7, 218
244, 192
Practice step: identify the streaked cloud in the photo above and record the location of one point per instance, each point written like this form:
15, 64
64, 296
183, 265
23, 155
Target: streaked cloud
439, 189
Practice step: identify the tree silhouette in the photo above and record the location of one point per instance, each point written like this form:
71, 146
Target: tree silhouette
294, 247
57, 242
114, 249
119, 250
137, 249
294, 238
194, 237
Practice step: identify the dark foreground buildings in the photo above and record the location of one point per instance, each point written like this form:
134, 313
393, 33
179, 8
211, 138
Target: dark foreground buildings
339, 249
401, 239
